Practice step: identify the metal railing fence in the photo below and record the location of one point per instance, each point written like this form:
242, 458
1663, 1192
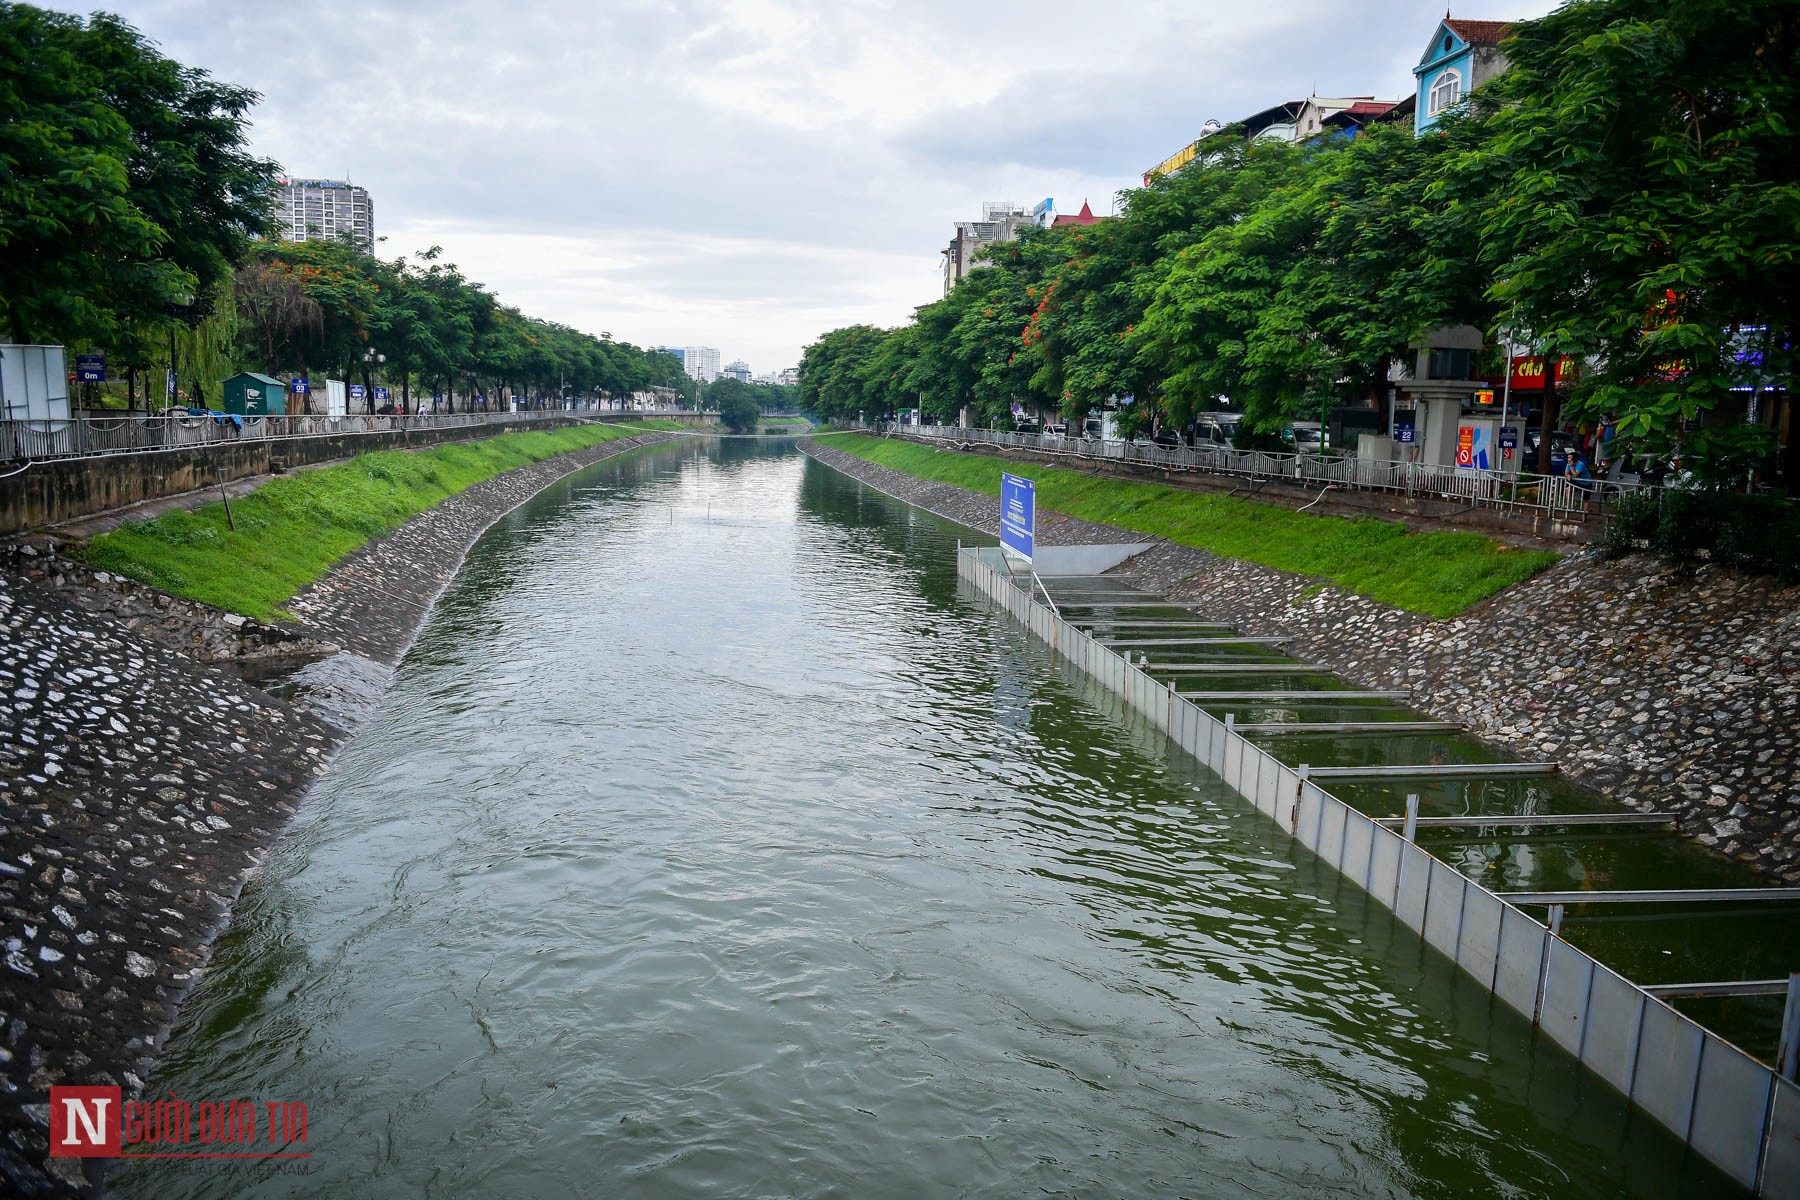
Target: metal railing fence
1561, 498
128, 433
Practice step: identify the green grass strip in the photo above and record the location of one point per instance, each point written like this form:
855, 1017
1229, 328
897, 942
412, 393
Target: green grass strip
291, 530
1437, 574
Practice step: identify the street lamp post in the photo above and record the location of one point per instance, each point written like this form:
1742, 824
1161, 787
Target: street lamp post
370, 360
181, 308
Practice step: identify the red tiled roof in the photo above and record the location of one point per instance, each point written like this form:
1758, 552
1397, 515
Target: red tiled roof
1370, 108
1479, 33
1084, 217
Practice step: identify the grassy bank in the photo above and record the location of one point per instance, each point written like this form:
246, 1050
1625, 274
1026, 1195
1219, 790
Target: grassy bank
1438, 574
291, 530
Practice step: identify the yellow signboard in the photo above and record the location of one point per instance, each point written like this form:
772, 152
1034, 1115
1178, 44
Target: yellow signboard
1176, 161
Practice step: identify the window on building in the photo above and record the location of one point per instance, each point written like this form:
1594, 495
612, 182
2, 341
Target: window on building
1445, 92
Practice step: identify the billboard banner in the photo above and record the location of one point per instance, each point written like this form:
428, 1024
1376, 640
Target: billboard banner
1018, 514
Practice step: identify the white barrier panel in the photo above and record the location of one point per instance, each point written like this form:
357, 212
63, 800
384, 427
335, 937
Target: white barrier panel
1359, 848
1781, 1154
1305, 807
1668, 1066
1563, 1008
1445, 890
1330, 846
1414, 890
1520, 961
1384, 864
1478, 949
1729, 1107
1615, 1014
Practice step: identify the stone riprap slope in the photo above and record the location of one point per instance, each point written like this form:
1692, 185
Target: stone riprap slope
1666, 693
141, 781
137, 791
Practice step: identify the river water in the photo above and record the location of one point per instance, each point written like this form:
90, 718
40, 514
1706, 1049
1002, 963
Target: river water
709, 844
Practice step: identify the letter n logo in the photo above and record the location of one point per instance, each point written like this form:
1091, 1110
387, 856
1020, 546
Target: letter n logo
84, 1122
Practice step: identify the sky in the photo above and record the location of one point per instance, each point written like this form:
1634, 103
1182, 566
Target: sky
748, 174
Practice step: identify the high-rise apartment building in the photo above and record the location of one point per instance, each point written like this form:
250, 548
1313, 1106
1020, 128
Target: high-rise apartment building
325, 208
738, 370
702, 362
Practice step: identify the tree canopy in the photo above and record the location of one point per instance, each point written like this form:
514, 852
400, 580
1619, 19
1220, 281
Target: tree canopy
1626, 193
126, 188
131, 211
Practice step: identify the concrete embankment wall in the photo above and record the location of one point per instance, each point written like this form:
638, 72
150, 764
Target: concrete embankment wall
63, 489
141, 784
1735, 1112
1669, 694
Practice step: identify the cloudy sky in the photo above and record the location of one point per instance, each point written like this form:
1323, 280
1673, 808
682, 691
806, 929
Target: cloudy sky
746, 174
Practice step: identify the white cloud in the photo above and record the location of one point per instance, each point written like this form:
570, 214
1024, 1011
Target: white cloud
749, 173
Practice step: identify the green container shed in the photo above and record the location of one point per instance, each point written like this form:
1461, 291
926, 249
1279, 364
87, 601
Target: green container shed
251, 395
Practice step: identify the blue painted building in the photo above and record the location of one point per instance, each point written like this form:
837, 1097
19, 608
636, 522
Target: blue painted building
1461, 56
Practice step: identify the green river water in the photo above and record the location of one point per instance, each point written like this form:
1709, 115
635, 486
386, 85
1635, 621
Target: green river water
708, 843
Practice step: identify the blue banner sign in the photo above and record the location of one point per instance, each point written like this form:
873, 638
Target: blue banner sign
356, 391
1509, 437
1018, 514
1405, 433
381, 393
90, 368
300, 386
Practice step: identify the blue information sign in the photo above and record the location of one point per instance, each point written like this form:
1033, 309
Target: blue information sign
90, 368
381, 393
1509, 437
1406, 433
299, 385
356, 391
1018, 514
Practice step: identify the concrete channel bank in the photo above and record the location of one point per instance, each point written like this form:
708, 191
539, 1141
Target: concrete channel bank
1666, 694
143, 777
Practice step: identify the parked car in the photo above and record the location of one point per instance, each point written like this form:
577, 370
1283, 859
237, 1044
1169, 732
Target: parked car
1308, 439
1214, 433
1561, 442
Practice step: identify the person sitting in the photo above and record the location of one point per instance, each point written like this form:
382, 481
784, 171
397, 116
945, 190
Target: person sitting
1577, 472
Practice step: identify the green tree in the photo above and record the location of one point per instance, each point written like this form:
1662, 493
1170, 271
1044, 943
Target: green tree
125, 186
1636, 194
737, 402
830, 385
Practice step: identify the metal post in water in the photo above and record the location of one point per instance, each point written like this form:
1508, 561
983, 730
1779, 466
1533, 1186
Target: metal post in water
1556, 916
1787, 1054
1412, 817
1230, 722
